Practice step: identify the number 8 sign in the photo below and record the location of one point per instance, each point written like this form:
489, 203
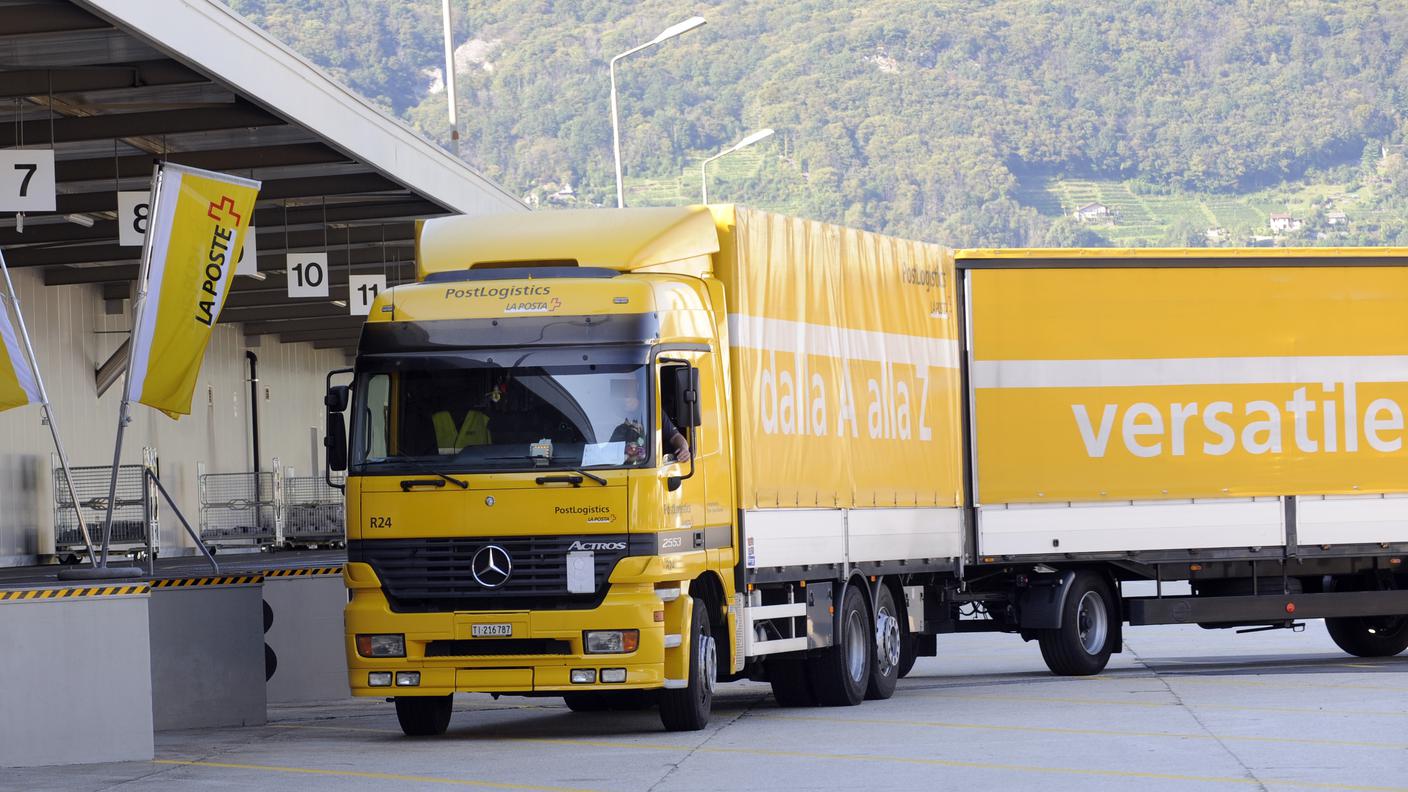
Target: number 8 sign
307, 274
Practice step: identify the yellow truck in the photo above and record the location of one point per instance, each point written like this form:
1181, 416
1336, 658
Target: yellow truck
621, 456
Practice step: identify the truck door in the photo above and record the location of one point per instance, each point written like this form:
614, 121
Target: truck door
703, 503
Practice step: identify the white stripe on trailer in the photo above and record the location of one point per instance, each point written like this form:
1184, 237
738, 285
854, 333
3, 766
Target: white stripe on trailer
1309, 369
784, 335
1351, 519
1128, 526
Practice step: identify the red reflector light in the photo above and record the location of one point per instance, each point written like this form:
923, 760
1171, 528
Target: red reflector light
1290, 607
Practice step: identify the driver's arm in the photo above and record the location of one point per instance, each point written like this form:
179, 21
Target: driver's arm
676, 440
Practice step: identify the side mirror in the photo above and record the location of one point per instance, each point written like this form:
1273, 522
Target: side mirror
336, 398
335, 432
686, 396
335, 441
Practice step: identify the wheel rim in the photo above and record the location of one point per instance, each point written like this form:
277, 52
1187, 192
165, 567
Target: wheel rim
1092, 622
887, 641
708, 665
855, 646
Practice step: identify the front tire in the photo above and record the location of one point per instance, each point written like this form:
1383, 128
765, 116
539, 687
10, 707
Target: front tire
841, 672
1369, 636
688, 708
890, 638
1082, 645
424, 716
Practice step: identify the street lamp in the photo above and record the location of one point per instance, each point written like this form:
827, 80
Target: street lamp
668, 33
761, 134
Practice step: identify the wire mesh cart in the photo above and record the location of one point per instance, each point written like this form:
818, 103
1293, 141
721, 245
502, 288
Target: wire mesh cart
134, 515
241, 509
313, 512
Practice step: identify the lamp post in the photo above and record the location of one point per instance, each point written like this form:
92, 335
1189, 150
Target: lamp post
761, 134
666, 34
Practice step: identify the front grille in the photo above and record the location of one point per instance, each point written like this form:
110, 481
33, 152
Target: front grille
497, 647
435, 575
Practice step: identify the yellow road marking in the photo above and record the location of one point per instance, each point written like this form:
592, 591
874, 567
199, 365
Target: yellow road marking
924, 761
1154, 704
375, 776
1092, 732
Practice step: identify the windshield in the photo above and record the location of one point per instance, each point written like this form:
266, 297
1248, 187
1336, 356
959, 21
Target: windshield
472, 412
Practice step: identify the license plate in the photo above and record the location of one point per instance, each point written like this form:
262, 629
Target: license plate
491, 630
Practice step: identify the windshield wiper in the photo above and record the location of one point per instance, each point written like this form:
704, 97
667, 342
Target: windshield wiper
462, 484
592, 476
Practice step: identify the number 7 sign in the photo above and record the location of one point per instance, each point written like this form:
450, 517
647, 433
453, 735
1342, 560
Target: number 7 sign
27, 180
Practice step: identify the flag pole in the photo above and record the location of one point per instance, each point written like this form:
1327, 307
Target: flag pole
139, 303
48, 410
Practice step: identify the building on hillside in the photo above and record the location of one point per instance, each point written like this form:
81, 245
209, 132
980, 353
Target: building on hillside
1215, 234
1281, 223
1336, 218
1092, 211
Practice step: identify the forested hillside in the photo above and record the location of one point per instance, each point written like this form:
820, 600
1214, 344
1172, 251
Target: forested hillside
965, 121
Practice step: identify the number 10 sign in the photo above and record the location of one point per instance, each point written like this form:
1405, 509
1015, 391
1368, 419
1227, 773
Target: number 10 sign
307, 274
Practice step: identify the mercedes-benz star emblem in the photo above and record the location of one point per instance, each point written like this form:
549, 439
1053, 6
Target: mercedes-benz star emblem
491, 566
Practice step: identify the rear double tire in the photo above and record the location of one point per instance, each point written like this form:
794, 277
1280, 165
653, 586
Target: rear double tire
840, 673
424, 716
1082, 645
688, 708
890, 638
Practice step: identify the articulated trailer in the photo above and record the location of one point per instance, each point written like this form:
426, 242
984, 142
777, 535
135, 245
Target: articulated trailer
619, 457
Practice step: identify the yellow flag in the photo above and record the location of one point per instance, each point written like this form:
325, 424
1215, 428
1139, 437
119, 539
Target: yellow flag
198, 224
18, 385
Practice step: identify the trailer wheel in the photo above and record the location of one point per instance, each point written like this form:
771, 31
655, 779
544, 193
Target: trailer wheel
688, 708
423, 716
890, 638
1369, 636
841, 672
1081, 646
788, 677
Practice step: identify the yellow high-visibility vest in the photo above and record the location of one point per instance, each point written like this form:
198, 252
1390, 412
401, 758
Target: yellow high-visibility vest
473, 431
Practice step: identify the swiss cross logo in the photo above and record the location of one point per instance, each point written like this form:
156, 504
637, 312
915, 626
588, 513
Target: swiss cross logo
225, 207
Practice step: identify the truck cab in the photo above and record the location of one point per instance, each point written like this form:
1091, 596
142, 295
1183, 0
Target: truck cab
538, 456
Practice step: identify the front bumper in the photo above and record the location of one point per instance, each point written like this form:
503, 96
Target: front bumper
626, 606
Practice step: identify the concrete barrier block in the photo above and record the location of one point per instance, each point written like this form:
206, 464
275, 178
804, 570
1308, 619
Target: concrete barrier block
306, 638
75, 680
207, 650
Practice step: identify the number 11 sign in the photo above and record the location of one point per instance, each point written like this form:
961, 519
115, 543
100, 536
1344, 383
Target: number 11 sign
362, 291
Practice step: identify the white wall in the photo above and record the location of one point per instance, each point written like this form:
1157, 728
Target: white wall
71, 339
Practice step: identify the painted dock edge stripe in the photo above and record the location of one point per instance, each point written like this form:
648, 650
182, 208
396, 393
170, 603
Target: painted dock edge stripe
304, 572
226, 580
38, 595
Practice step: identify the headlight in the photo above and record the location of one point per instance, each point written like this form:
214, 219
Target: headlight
610, 641
381, 645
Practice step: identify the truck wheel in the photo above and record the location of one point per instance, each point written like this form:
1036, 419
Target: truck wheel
688, 708
840, 673
790, 686
889, 642
1081, 646
907, 655
1369, 636
423, 716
